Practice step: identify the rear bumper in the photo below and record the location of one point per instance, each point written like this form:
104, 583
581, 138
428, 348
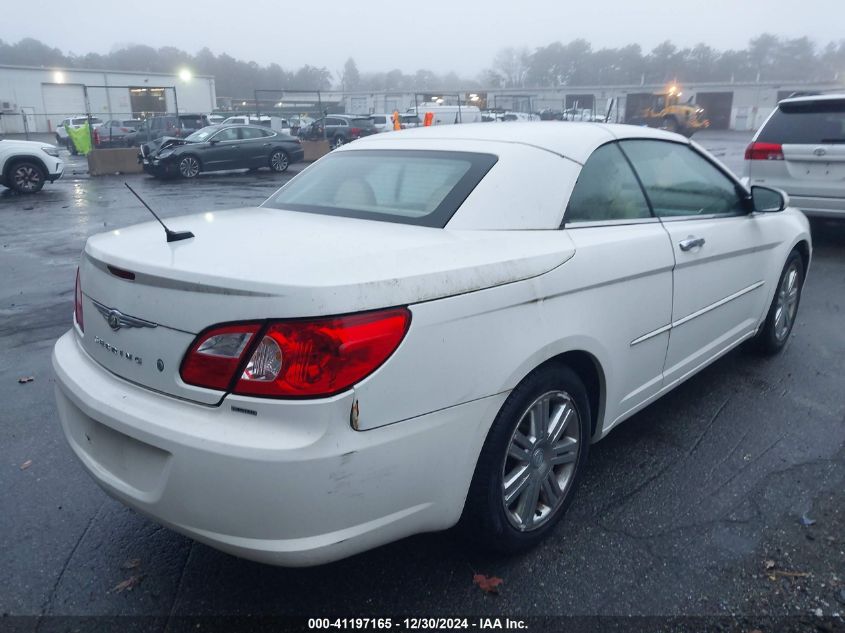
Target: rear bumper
819, 207
293, 484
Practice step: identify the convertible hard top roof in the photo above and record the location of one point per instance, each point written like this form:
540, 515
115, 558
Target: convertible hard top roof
574, 140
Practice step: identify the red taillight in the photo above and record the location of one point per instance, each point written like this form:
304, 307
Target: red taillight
77, 303
96, 137
764, 151
301, 358
124, 129
216, 355
355, 131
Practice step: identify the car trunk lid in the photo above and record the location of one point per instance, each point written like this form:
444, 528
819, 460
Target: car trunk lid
259, 263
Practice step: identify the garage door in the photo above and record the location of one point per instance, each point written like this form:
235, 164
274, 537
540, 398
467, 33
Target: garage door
717, 107
61, 101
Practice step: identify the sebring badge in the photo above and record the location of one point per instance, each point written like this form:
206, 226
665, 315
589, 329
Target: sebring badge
116, 319
132, 358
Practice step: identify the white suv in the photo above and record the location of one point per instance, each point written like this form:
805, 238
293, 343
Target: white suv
26, 165
801, 149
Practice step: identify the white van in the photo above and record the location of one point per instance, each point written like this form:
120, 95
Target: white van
449, 114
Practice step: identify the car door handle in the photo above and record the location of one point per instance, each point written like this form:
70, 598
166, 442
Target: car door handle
266, 144
690, 243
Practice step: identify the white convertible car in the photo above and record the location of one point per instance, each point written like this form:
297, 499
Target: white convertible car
421, 329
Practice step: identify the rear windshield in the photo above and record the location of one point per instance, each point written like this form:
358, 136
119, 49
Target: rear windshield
405, 186
806, 123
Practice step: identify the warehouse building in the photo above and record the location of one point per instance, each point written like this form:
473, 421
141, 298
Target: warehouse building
39, 99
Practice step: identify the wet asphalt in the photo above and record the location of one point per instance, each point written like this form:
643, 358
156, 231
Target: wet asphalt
689, 508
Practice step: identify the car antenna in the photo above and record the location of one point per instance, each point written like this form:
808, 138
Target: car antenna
172, 236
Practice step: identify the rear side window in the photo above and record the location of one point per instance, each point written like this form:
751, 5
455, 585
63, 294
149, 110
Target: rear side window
405, 186
379, 120
606, 189
361, 122
806, 123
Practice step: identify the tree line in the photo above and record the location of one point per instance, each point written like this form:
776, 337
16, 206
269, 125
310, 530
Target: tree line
767, 57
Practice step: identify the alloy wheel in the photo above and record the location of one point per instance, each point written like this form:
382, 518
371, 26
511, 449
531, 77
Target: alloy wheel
540, 460
787, 302
279, 161
189, 167
27, 178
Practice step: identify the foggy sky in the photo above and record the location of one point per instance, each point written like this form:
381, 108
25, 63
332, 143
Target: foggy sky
439, 35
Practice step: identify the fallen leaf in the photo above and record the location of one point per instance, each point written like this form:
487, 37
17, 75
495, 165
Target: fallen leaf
770, 564
488, 584
132, 563
127, 585
25, 379
26, 464
807, 521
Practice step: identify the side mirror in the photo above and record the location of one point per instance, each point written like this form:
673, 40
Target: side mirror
213, 141
768, 200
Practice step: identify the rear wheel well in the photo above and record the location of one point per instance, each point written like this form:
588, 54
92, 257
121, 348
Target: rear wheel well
590, 372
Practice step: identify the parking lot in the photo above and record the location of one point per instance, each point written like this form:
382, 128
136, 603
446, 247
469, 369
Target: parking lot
725, 498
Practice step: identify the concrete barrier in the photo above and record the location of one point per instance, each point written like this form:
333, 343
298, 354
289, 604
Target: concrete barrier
104, 162
315, 150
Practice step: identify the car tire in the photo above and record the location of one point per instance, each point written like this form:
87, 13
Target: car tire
526, 474
189, 166
279, 161
775, 331
337, 141
26, 177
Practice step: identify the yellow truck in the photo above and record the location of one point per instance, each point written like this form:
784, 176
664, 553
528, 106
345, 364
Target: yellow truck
667, 112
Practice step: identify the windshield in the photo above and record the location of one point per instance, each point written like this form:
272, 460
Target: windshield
202, 135
406, 186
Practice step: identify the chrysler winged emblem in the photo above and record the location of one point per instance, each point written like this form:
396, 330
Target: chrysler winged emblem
116, 319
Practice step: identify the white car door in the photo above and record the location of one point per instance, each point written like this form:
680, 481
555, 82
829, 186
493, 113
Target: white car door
622, 269
721, 252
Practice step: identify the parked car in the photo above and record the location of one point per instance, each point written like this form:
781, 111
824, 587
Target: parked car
416, 332
340, 129
221, 147
157, 127
26, 165
116, 133
74, 123
801, 149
